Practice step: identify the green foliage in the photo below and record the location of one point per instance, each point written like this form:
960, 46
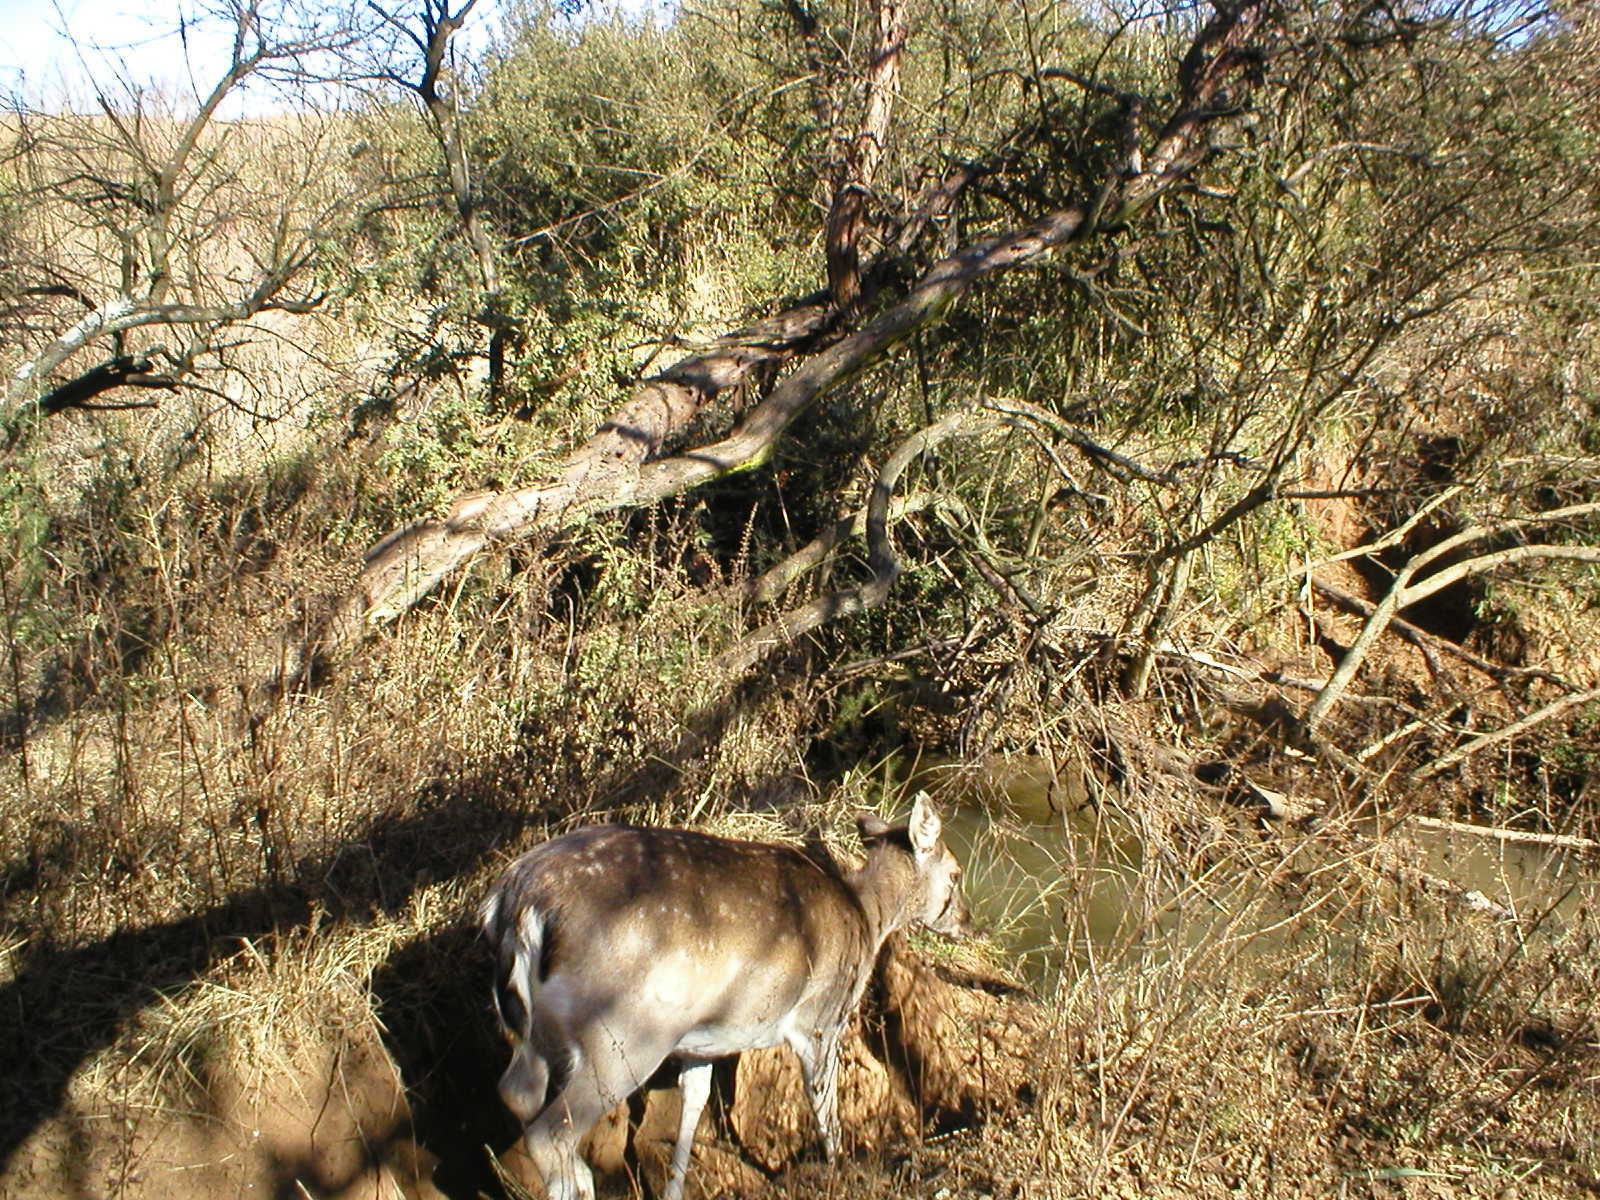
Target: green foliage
618, 155
430, 457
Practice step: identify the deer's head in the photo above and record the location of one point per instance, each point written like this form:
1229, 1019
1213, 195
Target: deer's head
930, 883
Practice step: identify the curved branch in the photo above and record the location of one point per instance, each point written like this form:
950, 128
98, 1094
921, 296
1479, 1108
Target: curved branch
1431, 642
1455, 573
1478, 533
753, 647
777, 579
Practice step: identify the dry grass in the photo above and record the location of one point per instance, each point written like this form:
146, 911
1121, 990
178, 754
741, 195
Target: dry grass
226, 906
216, 900
337, 847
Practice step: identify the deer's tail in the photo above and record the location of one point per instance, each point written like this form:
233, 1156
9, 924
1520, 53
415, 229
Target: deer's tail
516, 935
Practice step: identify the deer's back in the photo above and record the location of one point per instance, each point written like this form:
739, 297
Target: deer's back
730, 943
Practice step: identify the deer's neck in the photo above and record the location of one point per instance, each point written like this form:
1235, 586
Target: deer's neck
884, 886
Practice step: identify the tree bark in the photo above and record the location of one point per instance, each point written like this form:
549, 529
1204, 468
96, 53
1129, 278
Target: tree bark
617, 468
407, 564
860, 168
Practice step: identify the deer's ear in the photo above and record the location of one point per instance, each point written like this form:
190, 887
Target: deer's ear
924, 826
871, 827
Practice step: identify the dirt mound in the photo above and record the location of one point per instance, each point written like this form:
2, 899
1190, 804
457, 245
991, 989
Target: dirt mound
323, 1116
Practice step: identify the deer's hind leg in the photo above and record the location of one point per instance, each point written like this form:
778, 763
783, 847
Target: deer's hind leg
525, 1082
604, 1070
694, 1086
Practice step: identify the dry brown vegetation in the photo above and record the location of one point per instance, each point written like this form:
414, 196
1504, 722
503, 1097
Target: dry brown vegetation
1258, 927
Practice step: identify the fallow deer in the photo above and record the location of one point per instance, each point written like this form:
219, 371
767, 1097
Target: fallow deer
619, 948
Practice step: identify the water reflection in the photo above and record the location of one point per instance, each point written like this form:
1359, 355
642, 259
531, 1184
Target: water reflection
1065, 881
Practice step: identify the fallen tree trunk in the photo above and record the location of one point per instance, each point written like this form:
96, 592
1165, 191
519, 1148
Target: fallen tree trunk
613, 469
410, 562
618, 467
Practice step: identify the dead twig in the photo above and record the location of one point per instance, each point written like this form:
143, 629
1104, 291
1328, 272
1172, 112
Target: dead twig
1421, 638
1483, 741
1404, 592
1564, 841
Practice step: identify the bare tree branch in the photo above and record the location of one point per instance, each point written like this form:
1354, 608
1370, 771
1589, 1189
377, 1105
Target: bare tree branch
1421, 638
1483, 741
1403, 592
778, 578
143, 194
753, 647
123, 371
1526, 837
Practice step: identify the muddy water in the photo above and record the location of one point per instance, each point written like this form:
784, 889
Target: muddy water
1065, 883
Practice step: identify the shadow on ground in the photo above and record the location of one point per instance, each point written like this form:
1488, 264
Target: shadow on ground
66, 1004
